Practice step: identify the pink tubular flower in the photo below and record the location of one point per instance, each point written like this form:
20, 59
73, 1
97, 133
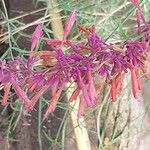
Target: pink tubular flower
69, 24
36, 36
22, 95
35, 98
135, 86
91, 87
55, 97
113, 90
116, 86
139, 13
87, 87
75, 94
138, 79
54, 42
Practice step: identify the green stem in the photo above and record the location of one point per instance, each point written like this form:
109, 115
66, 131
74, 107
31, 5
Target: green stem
39, 124
8, 26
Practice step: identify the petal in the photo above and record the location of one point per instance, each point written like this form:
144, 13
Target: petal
75, 94
119, 80
36, 36
54, 42
22, 95
137, 71
7, 87
83, 29
44, 53
53, 103
84, 90
36, 97
54, 88
138, 21
134, 83
135, 2
113, 90
31, 85
86, 96
69, 24
91, 88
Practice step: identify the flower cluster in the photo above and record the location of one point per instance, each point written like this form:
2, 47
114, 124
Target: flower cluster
83, 64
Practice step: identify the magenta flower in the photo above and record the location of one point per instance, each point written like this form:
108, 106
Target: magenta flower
14, 74
136, 53
86, 86
95, 42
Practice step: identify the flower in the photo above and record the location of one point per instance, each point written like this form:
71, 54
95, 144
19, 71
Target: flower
94, 41
136, 3
55, 97
83, 29
13, 75
6, 88
54, 42
116, 86
36, 36
136, 53
69, 24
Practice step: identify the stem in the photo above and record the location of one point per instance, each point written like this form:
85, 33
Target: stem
39, 125
56, 24
80, 130
8, 26
98, 119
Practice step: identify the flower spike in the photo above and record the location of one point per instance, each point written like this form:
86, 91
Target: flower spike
89, 64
